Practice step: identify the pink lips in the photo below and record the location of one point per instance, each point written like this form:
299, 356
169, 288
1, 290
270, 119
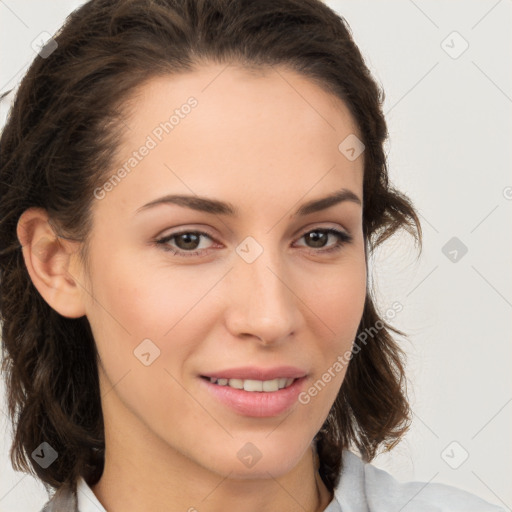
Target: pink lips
255, 403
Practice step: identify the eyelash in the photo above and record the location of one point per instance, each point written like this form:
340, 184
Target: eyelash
343, 238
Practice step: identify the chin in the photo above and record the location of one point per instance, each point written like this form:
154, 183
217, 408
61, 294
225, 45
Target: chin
258, 459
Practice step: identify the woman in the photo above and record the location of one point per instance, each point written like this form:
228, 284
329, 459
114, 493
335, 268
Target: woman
190, 191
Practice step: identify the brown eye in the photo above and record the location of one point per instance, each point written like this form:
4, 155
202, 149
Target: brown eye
186, 243
318, 238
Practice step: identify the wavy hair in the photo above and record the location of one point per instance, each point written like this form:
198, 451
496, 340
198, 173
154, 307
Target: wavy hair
59, 143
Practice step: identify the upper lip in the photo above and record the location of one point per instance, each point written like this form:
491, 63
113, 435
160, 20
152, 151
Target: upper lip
258, 373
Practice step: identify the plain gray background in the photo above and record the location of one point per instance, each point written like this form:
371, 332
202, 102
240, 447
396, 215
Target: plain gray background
449, 116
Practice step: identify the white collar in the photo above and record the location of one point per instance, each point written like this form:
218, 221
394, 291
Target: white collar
87, 500
366, 488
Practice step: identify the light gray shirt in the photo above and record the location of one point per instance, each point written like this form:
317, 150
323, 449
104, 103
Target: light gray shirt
362, 488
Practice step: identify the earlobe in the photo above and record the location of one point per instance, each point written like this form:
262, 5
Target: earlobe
49, 261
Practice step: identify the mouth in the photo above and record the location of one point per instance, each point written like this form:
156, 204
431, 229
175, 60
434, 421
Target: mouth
253, 385
252, 397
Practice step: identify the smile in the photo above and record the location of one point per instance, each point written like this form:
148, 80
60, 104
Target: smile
253, 385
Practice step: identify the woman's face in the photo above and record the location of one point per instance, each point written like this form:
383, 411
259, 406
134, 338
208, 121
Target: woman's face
256, 290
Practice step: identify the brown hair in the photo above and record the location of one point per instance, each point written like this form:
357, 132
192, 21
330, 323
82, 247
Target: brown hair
57, 147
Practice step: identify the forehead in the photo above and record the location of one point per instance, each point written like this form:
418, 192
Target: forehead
226, 131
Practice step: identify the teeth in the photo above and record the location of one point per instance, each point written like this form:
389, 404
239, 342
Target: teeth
236, 383
268, 385
254, 385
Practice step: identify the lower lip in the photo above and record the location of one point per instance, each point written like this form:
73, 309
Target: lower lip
255, 403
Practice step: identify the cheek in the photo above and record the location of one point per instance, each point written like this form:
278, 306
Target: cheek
135, 304
144, 328
338, 302
337, 296
147, 299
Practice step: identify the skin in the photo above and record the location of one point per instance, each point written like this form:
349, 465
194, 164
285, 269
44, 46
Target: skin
267, 142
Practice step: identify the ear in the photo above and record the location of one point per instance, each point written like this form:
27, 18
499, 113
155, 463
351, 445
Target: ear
51, 263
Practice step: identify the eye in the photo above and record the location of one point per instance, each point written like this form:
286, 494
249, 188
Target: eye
319, 237
188, 243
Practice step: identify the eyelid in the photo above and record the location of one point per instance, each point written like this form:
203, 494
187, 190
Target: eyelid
343, 238
164, 239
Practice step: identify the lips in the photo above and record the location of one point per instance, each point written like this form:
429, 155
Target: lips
258, 373
254, 403
239, 389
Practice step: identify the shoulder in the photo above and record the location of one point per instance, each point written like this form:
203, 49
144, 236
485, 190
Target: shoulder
366, 488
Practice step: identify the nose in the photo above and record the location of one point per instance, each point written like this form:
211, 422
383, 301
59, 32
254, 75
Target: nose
262, 304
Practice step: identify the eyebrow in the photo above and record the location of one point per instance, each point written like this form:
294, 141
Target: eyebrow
214, 206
